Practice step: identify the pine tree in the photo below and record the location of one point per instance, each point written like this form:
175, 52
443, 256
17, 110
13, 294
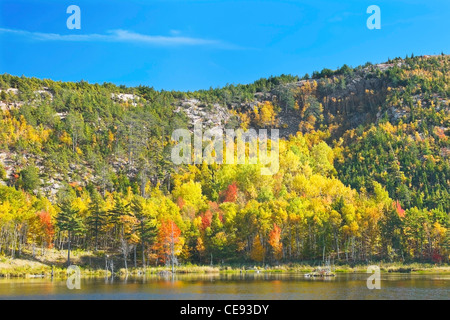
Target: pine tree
115, 215
97, 218
69, 220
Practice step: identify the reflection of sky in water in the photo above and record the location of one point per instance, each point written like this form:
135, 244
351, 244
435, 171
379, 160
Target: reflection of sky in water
233, 286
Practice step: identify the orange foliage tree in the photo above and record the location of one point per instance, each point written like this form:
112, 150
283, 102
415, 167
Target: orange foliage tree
47, 227
257, 253
167, 245
275, 243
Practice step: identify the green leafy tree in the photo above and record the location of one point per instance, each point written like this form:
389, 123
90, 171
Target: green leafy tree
29, 178
146, 225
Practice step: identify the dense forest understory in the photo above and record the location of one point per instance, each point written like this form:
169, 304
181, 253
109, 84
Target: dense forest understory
364, 169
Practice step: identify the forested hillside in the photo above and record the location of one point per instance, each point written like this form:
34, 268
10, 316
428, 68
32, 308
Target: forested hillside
364, 168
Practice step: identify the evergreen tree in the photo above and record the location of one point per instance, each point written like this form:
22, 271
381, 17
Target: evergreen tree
68, 220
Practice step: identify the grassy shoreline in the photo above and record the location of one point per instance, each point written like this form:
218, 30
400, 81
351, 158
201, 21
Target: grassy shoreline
20, 268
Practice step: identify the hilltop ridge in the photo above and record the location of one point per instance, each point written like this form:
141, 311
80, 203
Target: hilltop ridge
335, 102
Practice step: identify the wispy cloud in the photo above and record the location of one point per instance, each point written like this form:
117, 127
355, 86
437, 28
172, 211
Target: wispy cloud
120, 36
343, 16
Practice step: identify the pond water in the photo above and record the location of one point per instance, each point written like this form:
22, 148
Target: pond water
234, 287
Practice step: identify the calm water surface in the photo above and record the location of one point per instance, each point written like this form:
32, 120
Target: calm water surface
236, 286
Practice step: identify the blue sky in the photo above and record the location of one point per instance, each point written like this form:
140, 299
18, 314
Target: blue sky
197, 44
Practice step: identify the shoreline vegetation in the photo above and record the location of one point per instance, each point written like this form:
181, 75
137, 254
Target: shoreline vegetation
52, 264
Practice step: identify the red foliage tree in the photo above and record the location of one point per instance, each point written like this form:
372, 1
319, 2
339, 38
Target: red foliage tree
436, 256
206, 219
230, 194
398, 208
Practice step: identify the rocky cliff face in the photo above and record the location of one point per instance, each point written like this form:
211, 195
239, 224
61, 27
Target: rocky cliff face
210, 115
344, 101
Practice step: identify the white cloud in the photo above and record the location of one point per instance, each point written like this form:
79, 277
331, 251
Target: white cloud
119, 36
